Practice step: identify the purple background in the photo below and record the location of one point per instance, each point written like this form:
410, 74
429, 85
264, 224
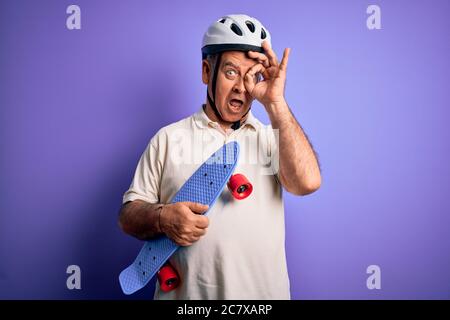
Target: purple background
77, 109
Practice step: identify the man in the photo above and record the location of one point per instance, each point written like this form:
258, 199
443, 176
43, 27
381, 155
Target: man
237, 252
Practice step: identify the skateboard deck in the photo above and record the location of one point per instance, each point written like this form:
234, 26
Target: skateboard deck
204, 186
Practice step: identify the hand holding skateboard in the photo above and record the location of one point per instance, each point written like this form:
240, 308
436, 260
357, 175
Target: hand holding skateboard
183, 222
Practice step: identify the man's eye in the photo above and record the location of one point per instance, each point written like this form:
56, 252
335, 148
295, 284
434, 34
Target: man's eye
231, 73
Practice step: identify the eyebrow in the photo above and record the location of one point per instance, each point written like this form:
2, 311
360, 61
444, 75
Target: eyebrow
229, 63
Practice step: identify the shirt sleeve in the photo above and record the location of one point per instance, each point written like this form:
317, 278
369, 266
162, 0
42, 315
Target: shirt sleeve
146, 181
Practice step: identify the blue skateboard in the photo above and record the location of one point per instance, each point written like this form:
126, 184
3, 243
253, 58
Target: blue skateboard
204, 186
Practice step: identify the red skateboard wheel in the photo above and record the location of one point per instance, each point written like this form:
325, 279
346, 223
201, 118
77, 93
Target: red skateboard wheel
168, 278
239, 186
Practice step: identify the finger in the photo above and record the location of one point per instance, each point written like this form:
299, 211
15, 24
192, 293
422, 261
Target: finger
249, 83
270, 54
184, 243
193, 239
284, 61
199, 232
202, 222
251, 78
188, 238
260, 57
181, 241
196, 207
257, 68
265, 63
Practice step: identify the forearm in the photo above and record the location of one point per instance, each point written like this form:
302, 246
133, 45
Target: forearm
298, 164
141, 219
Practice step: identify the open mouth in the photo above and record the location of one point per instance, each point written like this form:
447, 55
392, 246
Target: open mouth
236, 103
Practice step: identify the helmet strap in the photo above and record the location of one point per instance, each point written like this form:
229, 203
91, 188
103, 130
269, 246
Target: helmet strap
236, 125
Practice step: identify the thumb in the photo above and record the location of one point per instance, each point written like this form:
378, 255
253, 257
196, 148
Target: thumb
197, 207
249, 83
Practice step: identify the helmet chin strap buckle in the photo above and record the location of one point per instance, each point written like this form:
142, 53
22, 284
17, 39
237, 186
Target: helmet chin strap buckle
236, 125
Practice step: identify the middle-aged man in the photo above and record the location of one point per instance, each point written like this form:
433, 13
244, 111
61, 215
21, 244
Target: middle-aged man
238, 251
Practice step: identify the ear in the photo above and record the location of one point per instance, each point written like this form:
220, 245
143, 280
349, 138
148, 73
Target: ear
206, 71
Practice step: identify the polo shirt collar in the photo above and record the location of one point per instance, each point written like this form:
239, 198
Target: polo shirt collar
202, 120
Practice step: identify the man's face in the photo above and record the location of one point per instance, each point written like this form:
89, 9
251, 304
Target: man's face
232, 99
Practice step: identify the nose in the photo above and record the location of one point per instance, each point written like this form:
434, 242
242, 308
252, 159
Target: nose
239, 85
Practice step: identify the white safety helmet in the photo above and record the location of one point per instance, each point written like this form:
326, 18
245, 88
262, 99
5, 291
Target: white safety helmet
235, 32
